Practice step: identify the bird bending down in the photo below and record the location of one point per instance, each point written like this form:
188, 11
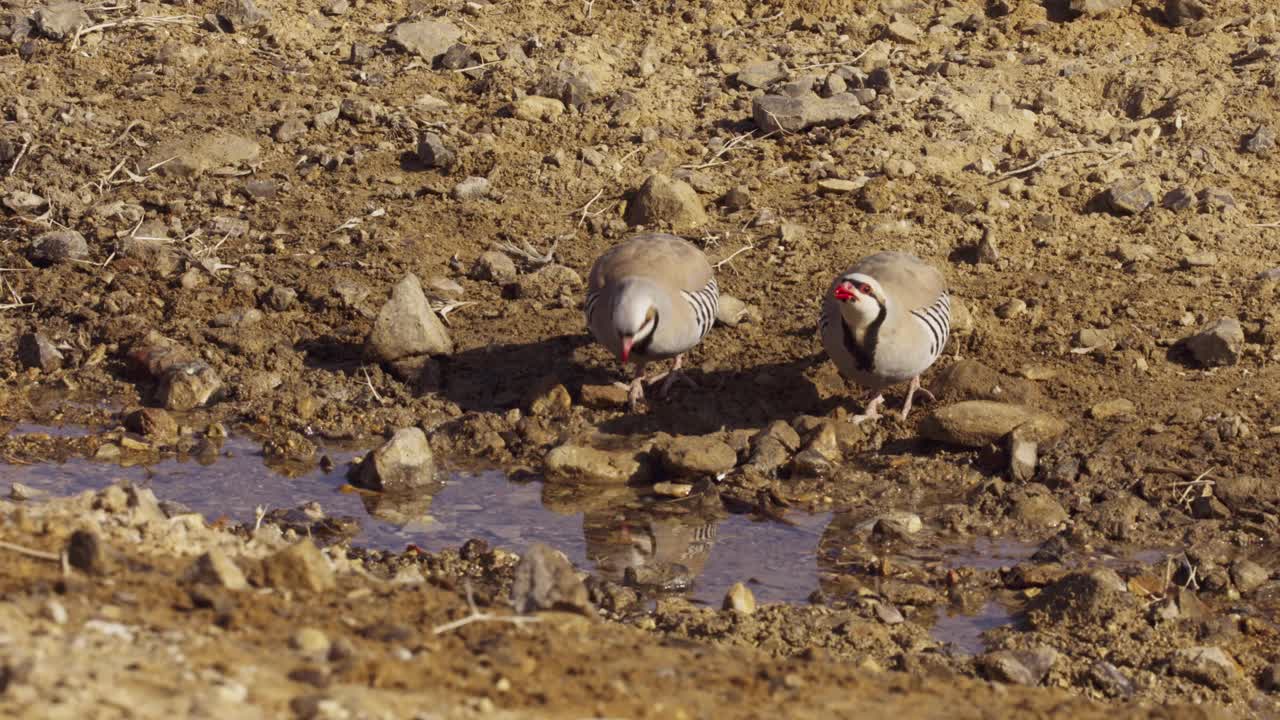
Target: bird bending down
885, 321
649, 298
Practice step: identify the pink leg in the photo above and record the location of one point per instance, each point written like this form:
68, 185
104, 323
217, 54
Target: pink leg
915, 387
872, 410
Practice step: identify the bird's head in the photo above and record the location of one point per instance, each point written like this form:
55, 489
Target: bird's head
860, 296
635, 317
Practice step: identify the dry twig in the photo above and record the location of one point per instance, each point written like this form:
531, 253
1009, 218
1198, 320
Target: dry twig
476, 616
1053, 155
733, 255
527, 251
37, 554
732, 144
582, 219
150, 21
14, 167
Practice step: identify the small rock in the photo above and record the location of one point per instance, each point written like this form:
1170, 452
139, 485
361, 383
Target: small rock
1011, 309
537, 109
299, 567
1216, 199
782, 113
740, 600
545, 580
58, 246
761, 75
1023, 457
434, 153
604, 397
154, 423
310, 641
1270, 680
1261, 142
405, 462
661, 199
472, 188
281, 298
193, 155
37, 351
898, 524
1207, 258
987, 253
1218, 343
59, 20
189, 386
1020, 667
56, 612
905, 31
695, 456
972, 380
1179, 198
549, 283
732, 312
494, 266
833, 186
21, 493
1108, 678
738, 198
1207, 665
1035, 506
289, 130
589, 466
1184, 12
549, 399
1107, 409
1129, 196
239, 15
21, 202
407, 327
1248, 575
977, 423
1093, 8
88, 554
215, 568
672, 489
429, 39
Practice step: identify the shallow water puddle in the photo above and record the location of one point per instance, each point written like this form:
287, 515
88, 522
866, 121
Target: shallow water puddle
688, 552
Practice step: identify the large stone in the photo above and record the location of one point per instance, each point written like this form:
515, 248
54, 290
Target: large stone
494, 266
545, 580
1019, 667
1184, 12
536, 108
589, 466
58, 246
1218, 343
154, 423
696, 456
407, 326
189, 386
1207, 665
193, 156
977, 423
299, 567
1034, 505
429, 39
971, 380
1091, 597
662, 199
59, 20
433, 152
782, 113
404, 462
240, 15
1129, 196
37, 351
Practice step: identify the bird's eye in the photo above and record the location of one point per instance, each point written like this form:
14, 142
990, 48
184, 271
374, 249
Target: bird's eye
865, 289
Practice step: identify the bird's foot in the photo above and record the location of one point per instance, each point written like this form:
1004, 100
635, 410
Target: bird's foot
872, 411
911, 392
671, 377
635, 393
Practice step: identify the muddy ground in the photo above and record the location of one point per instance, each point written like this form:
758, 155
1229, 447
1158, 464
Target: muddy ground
206, 206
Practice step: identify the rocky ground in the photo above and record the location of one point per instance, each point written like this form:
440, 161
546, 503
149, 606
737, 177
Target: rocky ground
371, 221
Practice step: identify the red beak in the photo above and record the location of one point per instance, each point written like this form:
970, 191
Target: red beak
627, 341
844, 291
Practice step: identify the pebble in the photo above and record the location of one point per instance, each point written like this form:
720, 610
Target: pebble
740, 599
1023, 457
695, 456
549, 283
1271, 678
544, 579
1261, 142
1129, 197
604, 397
833, 186
37, 351
761, 75
672, 489
434, 153
289, 130
1093, 8
56, 612
189, 386
20, 492
1218, 343
310, 641
664, 200
548, 399
407, 327
87, 553
732, 312
1108, 678
59, 20
22, 202
215, 568
1200, 259
1207, 665
238, 15
782, 113
472, 188
537, 109
1179, 13
1216, 198
1035, 506
1011, 309
1118, 407
57, 246
1248, 575
1019, 667
977, 423
405, 462
905, 31
428, 39
972, 380
299, 567
898, 524
1179, 198
589, 466
494, 266
191, 156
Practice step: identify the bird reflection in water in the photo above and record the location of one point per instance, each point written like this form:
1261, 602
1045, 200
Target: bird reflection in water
648, 547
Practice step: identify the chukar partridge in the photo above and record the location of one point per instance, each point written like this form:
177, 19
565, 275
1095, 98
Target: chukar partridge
885, 321
650, 298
